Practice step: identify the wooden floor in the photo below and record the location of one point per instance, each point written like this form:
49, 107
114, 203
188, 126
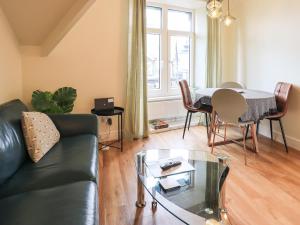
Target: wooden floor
266, 192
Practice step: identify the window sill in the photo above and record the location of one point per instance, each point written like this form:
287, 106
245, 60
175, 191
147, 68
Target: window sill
164, 99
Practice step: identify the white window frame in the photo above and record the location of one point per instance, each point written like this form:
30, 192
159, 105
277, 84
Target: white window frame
165, 90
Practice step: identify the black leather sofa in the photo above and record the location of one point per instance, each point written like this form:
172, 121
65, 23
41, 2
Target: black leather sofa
62, 188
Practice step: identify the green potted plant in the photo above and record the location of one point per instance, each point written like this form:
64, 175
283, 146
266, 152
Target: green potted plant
61, 101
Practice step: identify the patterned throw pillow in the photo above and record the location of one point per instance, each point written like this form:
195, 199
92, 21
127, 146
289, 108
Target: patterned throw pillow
40, 134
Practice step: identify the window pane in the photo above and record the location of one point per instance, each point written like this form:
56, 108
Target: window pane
153, 61
153, 17
180, 21
179, 59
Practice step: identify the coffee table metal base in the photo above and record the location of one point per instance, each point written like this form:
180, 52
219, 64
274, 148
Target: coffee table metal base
140, 203
140, 160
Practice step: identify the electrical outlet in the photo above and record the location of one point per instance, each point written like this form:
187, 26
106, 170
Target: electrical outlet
109, 121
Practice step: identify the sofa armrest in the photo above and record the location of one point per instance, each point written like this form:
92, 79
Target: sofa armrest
75, 124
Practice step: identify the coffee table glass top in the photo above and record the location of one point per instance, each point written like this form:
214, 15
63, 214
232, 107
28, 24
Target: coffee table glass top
199, 197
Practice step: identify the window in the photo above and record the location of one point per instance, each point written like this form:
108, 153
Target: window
154, 14
178, 20
153, 61
170, 40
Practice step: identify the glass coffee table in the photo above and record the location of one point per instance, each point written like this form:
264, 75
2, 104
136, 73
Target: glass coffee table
199, 194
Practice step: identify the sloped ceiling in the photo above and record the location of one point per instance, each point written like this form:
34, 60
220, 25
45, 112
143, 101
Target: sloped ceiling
35, 22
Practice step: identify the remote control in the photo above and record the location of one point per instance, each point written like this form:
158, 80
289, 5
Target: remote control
169, 164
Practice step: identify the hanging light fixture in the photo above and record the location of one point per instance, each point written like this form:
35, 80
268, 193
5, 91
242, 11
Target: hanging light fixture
228, 18
214, 4
214, 8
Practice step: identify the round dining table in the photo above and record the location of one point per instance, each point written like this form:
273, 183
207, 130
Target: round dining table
260, 105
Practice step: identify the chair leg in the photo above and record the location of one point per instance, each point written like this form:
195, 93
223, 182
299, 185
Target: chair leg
257, 127
206, 119
190, 121
271, 129
283, 136
244, 144
186, 120
214, 130
253, 136
225, 131
247, 131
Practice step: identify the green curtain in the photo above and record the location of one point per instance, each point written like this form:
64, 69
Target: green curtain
136, 111
214, 55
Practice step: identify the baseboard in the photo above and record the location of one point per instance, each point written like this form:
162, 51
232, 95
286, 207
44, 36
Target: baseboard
113, 134
291, 141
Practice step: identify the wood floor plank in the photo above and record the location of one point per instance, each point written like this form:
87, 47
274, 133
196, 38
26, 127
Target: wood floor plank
266, 192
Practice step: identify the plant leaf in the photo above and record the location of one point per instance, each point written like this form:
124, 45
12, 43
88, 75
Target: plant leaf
65, 98
41, 101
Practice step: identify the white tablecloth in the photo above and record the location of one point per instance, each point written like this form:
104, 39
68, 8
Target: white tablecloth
260, 103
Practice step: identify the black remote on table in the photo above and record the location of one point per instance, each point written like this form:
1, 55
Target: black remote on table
169, 164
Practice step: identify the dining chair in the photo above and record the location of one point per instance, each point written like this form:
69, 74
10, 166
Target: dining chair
188, 105
232, 84
229, 113
282, 92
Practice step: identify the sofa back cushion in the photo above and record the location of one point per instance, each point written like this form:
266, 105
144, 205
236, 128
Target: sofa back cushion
12, 145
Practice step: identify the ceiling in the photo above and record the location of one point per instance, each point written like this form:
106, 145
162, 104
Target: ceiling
35, 21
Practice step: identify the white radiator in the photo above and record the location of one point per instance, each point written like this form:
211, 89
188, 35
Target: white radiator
166, 109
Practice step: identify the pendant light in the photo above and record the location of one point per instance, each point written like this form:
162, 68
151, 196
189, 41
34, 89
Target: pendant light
214, 8
228, 18
214, 4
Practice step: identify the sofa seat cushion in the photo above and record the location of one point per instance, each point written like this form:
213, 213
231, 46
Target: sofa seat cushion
74, 204
72, 159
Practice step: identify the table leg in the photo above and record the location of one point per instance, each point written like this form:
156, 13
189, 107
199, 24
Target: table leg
121, 131
222, 194
223, 197
118, 127
140, 203
222, 202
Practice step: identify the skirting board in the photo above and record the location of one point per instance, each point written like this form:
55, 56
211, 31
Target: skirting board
172, 127
113, 135
291, 141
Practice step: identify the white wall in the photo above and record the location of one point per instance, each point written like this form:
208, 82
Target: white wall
267, 50
10, 63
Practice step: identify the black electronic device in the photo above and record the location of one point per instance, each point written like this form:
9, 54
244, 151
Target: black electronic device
169, 164
104, 104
